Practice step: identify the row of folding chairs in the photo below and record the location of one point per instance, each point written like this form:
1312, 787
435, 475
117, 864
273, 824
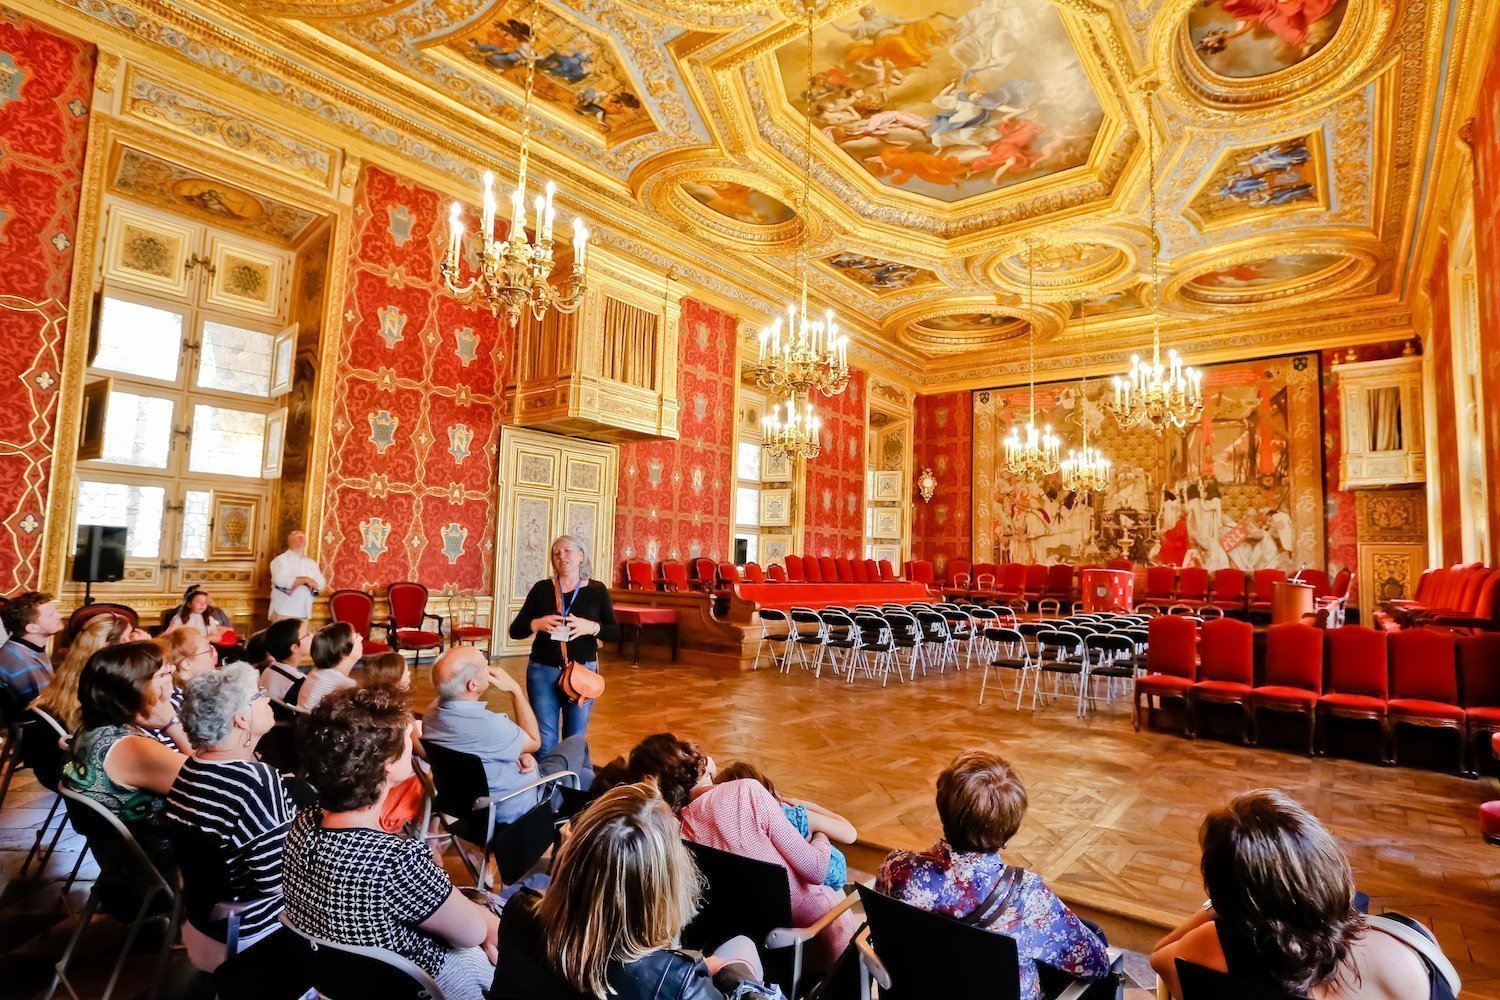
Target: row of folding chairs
1085, 648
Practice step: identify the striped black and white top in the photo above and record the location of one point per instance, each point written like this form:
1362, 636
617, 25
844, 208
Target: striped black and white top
234, 816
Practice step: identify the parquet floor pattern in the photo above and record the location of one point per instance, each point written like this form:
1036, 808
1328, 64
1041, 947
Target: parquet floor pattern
1114, 814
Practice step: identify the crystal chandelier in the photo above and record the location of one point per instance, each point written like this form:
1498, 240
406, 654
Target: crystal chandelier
1037, 453
515, 274
1085, 470
1157, 394
810, 354
794, 436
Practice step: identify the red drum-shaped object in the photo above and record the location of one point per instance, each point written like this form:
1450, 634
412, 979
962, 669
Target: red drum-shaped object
1108, 590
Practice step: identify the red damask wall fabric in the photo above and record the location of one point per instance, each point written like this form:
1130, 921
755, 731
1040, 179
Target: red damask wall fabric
1487, 256
675, 496
417, 406
46, 83
943, 440
834, 514
1341, 537
1444, 464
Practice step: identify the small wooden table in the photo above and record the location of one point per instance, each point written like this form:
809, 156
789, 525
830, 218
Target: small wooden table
643, 616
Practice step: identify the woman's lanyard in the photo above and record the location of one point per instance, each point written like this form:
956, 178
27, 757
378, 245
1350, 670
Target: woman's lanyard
565, 603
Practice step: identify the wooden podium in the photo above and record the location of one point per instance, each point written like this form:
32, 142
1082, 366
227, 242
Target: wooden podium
1290, 601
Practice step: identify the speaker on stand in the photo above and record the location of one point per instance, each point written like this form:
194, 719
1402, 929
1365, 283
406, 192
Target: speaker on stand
99, 557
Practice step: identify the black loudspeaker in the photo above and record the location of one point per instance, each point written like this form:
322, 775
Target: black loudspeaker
741, 550
100, 554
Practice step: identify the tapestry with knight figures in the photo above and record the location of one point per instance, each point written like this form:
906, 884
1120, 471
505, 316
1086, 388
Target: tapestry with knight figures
1241, 486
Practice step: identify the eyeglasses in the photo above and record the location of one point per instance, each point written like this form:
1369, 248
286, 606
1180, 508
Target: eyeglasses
259, 694
211, 650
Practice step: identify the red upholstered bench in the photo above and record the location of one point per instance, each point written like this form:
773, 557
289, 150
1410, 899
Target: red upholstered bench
642, 616
1489, 812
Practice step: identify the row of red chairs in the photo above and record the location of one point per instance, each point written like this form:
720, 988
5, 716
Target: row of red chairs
1420, 676
1465, 596
670, 575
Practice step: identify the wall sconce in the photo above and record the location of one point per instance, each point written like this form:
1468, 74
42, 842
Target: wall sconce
926, 484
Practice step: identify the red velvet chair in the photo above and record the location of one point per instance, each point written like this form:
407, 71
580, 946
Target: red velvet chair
753, 573
843, 568
919, 571
1171, 664
956, 568
1319, 580
1012, 582
1192, 586
1294, 676
1161, 584
729, 575
1226, 670
409, 614
1336, 600
794, 569
705, 573
1229, 590
463, 621
638, 575
1489, 812
861, 573
1264, 583
674, 575
1479, 680
776, 573
980, 569
829, 567
1124, 564
1424, 685
1358, 679
357, 608
872, 571
1036, 583
812, 570
1482, 615
985, 585
887, 571
1060, 582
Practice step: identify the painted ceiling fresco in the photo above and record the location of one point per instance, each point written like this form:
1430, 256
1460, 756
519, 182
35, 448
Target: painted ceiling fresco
948, 100
878, 275
1287, 174
171, 186
1250, 38
739, 202
1274, 270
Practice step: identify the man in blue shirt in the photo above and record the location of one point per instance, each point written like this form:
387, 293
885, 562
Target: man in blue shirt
460, 720
25, 668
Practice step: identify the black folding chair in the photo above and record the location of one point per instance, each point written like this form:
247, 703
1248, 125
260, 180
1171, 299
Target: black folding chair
840, 634
906, 633
803, 636
44, 744
348, 972
775, 629
1112, 657
876, 637
1011, 653
462, 798
753, 898
1200, 983
1069, 657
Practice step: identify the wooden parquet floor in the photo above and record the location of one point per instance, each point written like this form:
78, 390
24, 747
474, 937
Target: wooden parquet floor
1114, 814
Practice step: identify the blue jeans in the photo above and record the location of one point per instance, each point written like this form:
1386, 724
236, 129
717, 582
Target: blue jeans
548, 703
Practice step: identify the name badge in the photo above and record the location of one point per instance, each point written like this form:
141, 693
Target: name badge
560, 633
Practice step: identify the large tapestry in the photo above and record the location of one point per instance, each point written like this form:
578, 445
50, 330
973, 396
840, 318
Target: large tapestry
46, 84
943, 440
1241, 487
1487, 266
674, 496
417, 406
834, 512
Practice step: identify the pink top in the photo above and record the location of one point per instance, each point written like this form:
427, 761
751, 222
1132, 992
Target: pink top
741, 817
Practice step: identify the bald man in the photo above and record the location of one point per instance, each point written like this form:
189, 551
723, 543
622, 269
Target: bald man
295, 580
460, 720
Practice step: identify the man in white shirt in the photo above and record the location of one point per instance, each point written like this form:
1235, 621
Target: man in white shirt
295, 580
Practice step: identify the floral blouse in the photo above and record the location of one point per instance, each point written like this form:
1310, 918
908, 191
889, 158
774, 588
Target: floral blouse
943, 880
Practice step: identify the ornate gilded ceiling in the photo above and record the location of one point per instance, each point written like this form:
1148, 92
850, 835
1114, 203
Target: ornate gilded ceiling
950, 138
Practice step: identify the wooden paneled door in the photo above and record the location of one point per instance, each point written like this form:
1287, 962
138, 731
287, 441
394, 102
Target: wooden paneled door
549, 486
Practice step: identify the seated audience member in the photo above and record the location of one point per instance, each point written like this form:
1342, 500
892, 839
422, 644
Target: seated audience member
189, 653
60, 698
623, 888
336, 650
125, 690
347, 880
981, 801
742, 818
25, 668
197, 611
459, 720
809, 818
255, 650
232, 807
287, 644
385, 670
1283, 913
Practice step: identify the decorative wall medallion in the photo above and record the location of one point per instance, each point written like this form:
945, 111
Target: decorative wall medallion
392, 323
466, 343
700, 407
653, 472
459, 439
697, 479
375, 532
454, 536
383, 430
11, 79
400, 224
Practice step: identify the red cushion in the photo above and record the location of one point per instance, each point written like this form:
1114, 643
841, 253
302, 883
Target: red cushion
472, 632
1274, 695
373, 646
1221, 689
1489, 818
1418, 708
1339, 701
1484, 717
642, 614
1163, 683
412, 637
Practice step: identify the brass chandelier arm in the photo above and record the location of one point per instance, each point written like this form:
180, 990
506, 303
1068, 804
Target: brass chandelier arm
1037, 454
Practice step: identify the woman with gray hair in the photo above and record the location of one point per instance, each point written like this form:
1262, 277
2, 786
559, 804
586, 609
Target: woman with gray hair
566, 612
229, 812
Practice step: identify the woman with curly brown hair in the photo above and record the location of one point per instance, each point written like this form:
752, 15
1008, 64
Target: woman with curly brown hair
348, 880
1281, 911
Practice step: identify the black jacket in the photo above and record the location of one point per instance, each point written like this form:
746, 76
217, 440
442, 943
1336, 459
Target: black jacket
523, 973
592, 603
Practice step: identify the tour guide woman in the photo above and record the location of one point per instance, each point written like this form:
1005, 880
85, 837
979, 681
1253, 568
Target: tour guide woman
568, 609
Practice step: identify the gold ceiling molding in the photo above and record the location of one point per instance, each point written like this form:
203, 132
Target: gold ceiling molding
1068, 265
972, 324
1289, 273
